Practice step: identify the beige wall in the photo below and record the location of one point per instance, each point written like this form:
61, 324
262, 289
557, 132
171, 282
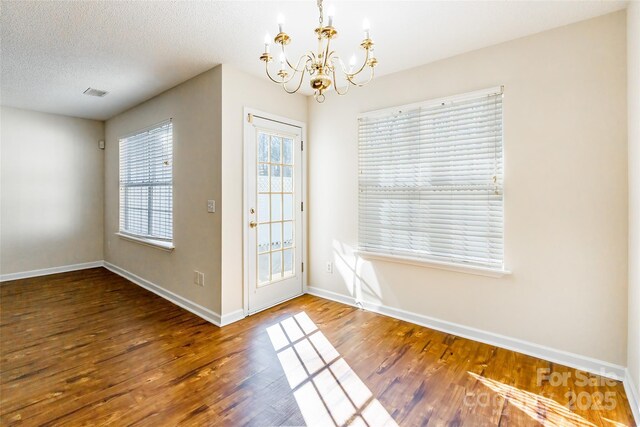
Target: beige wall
51, 190
195, 108
633, 83
565, 192
240, 90
208, 126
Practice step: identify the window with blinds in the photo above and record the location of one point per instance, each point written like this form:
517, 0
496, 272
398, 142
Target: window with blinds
431, 180
146, 183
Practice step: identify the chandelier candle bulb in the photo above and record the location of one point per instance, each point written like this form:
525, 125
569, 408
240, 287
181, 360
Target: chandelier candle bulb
267, 42
366, 26
280, 22
330, 14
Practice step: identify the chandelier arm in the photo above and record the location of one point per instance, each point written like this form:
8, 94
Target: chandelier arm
295, 69
337, 58
280, 82
312, 59
352, 74
364, 64
335, 84
284, 85
350, 77
266, 67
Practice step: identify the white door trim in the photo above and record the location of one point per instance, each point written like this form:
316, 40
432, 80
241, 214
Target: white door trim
246, 204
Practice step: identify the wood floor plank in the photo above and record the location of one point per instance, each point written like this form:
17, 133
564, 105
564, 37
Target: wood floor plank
91, 348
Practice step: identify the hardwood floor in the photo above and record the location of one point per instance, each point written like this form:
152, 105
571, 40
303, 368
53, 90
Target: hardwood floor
91, 348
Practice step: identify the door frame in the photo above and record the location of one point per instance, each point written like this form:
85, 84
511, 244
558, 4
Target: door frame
248, 113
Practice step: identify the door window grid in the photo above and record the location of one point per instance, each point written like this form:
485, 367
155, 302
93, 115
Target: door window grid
275, 208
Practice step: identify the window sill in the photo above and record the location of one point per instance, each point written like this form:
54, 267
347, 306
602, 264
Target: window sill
158, 244
479, 271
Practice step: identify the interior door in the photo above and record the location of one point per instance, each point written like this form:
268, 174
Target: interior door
273, 186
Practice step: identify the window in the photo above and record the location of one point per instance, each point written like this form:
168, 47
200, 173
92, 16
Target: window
431, 180
146, 183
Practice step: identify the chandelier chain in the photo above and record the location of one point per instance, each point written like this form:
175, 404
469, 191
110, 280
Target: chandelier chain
320, 9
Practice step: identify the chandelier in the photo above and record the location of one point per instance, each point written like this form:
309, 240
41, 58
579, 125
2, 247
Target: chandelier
322, 65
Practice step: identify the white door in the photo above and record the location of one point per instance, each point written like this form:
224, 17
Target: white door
273, 217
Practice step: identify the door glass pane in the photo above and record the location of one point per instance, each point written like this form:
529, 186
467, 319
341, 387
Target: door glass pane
276, 265
276, 142
276, 181
275, 207
287, 179
287, 234
263, 177
263, 238
287, 151
276, 236
288, 262
263, 147
264, 275
263, 208
287, 207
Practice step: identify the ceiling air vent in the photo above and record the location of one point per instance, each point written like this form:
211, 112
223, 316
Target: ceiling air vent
95, 92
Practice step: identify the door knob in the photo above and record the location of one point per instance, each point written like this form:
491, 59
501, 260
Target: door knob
253, 224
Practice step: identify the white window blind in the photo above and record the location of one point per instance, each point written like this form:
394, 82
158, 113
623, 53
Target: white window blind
430, 182
146, 183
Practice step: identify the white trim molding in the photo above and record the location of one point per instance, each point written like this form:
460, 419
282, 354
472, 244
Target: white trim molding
631, 389
158, 244
197, 309
442, 265
588, 364
234, 316
200, 311
51, 270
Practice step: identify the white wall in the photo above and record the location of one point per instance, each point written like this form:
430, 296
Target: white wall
240, 90
565, 192
51, 191
194, 107
633, 99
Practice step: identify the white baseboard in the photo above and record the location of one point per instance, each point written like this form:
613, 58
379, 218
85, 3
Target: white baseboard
561, 357
198, 310
631, 388
232, 317
194, 308
52, 270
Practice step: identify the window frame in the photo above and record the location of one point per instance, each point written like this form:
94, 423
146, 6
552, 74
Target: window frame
437, 262
147, 240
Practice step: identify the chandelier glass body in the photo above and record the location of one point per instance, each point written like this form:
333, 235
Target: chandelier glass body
322, 65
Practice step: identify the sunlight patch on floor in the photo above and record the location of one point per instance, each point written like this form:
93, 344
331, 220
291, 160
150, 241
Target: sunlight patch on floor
327, 390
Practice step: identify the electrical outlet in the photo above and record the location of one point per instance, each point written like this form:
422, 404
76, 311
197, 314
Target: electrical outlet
329, 267
198, 278
211, 206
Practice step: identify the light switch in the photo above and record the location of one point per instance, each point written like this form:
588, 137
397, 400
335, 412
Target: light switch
211, 206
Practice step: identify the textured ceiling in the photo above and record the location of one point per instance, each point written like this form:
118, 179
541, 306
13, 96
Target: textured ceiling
53, 51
